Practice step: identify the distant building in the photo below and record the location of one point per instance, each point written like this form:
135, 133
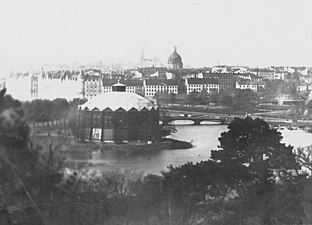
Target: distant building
149, 62
254, 86
45, 85
238, 69
183, 73
306, 79
60, 86
133, 86
219, 69
243, 76
34, 87
19, 86
153, 86
254, 77
279, 75
210, 85
148, 72
92, 83
302, 88
175, 61
266, 74
226, 81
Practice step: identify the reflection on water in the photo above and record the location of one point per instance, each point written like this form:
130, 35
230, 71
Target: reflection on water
203, 137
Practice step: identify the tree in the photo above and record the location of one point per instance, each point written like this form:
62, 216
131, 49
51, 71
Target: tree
192, 97
253, 160
61, 108
227, 98
197, 191
72, 116
172, 98
12, 123
18, 161
309, 107
252, 151
245, 100
156, 97
304, 157
120, 189
240, 100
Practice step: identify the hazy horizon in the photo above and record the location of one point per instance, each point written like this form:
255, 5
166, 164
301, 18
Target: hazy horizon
241, 32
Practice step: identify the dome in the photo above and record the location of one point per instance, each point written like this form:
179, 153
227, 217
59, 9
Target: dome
116, 99
175, 58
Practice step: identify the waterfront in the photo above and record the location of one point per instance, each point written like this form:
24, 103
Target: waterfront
203, 137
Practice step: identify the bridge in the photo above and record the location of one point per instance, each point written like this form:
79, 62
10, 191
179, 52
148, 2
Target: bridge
197, 119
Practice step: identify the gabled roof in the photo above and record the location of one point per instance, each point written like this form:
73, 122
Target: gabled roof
161, 82
116, 101
218, 75
248, 82
91, 77
202, 81
111, 82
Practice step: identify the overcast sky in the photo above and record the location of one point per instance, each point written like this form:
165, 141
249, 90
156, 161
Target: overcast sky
233, 32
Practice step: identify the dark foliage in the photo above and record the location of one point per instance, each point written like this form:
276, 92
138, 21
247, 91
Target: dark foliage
252, 179
240, 100
252, 152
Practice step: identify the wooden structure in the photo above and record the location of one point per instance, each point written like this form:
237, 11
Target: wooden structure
118, 116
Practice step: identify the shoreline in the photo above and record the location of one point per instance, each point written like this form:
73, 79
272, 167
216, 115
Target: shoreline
132, 147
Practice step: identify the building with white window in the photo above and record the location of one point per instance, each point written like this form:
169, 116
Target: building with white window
266, 73
254, 86
92, 86
226, 80
45, 85
133, 86
210, 85
153, 86
219, 69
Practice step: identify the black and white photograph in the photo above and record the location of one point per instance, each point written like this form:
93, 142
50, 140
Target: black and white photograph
145, 112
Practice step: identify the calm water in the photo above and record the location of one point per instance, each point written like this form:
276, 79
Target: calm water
204, 138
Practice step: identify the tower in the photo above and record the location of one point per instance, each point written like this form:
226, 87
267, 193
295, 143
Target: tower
81, 79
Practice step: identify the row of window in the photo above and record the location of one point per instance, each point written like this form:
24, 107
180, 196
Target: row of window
246, 86
158, 86
202, 85
169, 91
190, 89
161, 90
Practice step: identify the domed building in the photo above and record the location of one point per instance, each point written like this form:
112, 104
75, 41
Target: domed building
175, 60
118, 116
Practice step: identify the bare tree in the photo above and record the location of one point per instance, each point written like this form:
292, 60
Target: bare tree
304, 157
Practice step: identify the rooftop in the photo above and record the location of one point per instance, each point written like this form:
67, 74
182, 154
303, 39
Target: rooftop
116, 100
202, 81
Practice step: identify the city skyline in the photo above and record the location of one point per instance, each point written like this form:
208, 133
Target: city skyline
250, 33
